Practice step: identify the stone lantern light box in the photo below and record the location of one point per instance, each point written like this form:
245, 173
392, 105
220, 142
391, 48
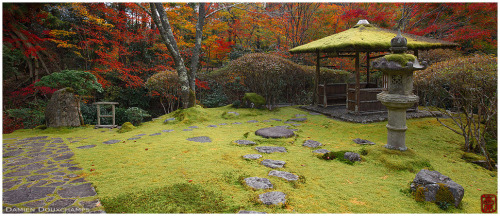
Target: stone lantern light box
398, 97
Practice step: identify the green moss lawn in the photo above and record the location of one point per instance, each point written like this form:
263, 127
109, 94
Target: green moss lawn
167, 173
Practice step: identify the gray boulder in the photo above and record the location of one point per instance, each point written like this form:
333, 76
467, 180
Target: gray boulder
252, 156
62, 109
363, 141
258, 183
273, 163
312, 144
285, 175
245, 142
321, 151
273, 198
433, 186
274, 132
352, 156
270, 149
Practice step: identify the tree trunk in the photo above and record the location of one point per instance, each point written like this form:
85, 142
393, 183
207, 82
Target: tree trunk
195, 59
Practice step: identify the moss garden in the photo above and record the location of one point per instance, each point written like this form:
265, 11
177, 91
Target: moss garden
164, 172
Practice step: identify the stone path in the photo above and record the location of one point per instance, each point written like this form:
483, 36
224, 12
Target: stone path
38, 176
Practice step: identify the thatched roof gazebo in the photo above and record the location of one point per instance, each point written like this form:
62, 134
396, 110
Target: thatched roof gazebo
366, 38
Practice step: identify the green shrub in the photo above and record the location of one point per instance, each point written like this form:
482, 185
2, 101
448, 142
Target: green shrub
30, 117
89, 113
126, 127
136, 115
255, 99
236, 104
84, 83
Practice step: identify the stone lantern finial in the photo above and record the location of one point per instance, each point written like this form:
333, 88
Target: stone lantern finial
398, 43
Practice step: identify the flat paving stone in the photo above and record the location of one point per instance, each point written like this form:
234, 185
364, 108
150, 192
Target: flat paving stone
285, 175
314, 113
298, 119
140, 135
89, 204
26, 194
34, 138
167, 131
214, 126
62, 150
42, 153
275, 132
252, 121
169, 120
266, 121
193, 127
273, 163
86, 146
111, 141
64, 156
66, 165
252, 156
312, 144
134, 138
35, 166
363, 141
56, 184
270, 149
250, 212
299, 115
155, 134
188, 130
13, 153
245, 142
289, 122
61, 203
74, 168
258, 183
273, 198
36, 177
223, 124
58, 173
72, 175
83, 190
25, 161
201, 139
321, 151
237, 123
35, 204
8, 185
296, 125
57, 141
276, 119
19, 173
80, 180
234, 113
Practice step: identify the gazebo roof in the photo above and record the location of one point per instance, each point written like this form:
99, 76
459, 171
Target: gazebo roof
368, 38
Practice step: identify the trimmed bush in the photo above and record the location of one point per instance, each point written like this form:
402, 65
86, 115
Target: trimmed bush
255, 99
126, 127
136, 115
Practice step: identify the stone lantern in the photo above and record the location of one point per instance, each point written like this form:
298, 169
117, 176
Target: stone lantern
398, 67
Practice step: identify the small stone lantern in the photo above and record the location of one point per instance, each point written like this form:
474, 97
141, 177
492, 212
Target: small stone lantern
398, 67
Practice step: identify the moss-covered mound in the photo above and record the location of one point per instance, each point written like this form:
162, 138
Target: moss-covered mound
190, 115
126, 127
401, 59
254, 98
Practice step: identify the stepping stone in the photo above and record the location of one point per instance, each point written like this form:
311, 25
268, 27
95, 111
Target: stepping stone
258, 183
138, 135
214, 126
167, 131
40, 183
273, 198
13, 153
59, 178
89, 204
237, 123
193, 127
134, 138
299, 115
363, 142
35, 204
298, 119
270, 149
250, 212
223, 124
234, 113
285, 175
112, 141
35, 166
168, 120
314, 113
19, 173
57, 141
275, 119
67, 165
62, 150
45, 170
245, 142
74, 168
56, 184
43, 153
312, 144
188, 130
72, 175
289, 122
252, 156
273, 163
61, 203
10, 184
321, 151
296, 125
252, 121
201, 139
83, 190
75, 141
80, 180
86, 146
58, 173
266, 121
64, 156
352, 156
25, 194
274, 132
155, 134
34, 138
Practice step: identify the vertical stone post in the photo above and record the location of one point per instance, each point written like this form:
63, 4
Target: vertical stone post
113, 111
98, 115
398, 97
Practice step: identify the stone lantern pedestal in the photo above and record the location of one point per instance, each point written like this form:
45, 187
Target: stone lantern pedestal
398, 97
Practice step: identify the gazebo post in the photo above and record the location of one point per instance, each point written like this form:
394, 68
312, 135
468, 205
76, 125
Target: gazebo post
367, 68
316, 79
415, 52
357, 88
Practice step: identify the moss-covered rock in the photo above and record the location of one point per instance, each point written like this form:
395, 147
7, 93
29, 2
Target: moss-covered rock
190, 115
126, 127
401, 59
41, 127
255, 99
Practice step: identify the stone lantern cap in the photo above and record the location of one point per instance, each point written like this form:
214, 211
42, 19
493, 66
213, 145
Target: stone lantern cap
398, 43
399, 62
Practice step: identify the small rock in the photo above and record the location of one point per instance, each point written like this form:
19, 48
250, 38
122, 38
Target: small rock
201, 139
273, 163
258, 183
312, 144
252, 156
155, 134
193, 127
363, 142
237, 123
223, 124
167, 131
188, 130
298, 119
214, 126
234, 113
427, 183
352, 156
138, 135
86, 146
134, 138
250, 212
111, 141
245, 142
321, 151
275, 119
299, 115
273, 198
285, 175
252, 121
270, 149
168, 120
89, 204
